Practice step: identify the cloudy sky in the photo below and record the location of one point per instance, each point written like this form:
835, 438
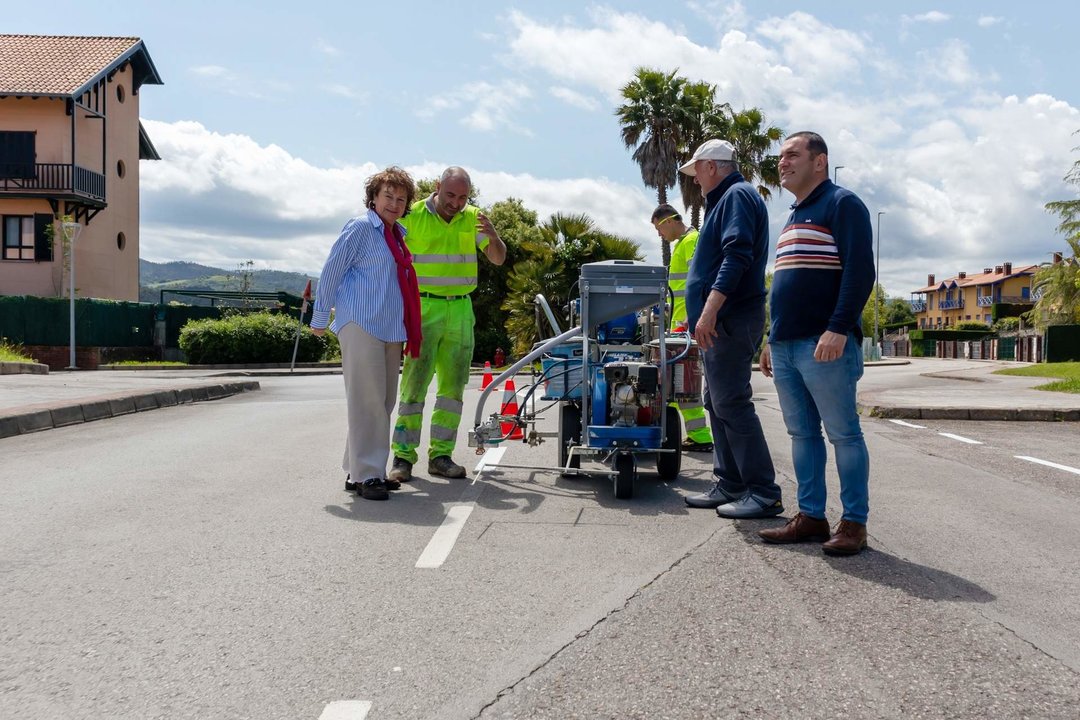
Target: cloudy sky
955, 123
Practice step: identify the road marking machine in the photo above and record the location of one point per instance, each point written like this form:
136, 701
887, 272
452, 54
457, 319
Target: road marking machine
612, 377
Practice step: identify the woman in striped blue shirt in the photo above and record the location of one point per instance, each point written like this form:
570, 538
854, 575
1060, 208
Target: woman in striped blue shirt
369, 282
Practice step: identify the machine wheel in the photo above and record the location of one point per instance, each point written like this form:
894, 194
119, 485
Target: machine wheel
569, 434
624, 475
669, 464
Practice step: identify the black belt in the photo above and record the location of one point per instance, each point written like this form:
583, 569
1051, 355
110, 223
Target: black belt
443, 297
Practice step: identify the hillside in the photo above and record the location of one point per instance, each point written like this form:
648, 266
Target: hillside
155, 277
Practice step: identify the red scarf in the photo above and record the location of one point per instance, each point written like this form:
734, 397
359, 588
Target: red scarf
410, 289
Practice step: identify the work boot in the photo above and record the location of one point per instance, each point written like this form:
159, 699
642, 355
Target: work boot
801, 528
689, 445
445, 467
401, 470
849, 538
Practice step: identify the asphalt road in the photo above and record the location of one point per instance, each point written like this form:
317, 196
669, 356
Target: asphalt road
204, 561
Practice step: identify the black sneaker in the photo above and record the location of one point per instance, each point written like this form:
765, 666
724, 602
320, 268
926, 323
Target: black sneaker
392, 484
350, 486
401, 470
689, 445
374, 489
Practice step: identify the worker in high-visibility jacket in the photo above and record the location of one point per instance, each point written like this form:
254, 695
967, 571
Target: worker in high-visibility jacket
669, 225
445, 233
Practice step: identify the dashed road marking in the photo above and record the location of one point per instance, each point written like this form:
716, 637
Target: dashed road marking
1047, 463
442, 542
907, 424
346, 710
961, 438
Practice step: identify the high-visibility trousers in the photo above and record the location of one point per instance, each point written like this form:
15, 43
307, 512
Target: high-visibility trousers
446, 353
693, 415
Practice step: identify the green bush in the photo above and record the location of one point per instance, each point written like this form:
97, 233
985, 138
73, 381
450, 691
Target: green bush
251, 338
972, 325
1007, 324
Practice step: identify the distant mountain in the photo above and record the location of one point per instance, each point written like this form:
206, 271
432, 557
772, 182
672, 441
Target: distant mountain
155, 277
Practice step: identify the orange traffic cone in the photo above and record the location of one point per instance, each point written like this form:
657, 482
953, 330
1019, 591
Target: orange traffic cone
510, 407
487, 376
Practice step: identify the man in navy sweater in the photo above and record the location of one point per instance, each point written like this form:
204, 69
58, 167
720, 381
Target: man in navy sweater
725, 306
823, 274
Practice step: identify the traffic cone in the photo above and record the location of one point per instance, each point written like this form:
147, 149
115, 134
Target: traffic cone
487, 376
510, 407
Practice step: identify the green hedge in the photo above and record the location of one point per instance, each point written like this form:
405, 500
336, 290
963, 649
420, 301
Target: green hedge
928, 334
252, 338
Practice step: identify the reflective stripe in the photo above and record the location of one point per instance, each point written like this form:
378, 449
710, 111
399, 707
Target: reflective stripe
449, 405
407, 437
443, 433
436, 280
695, 424
444, 258
691, 405
411, 409
677, 276
678, 293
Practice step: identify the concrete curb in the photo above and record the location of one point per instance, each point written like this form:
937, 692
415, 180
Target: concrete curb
22, 368
45, 416
956, 413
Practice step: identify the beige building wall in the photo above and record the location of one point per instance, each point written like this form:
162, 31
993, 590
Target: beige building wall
107, 250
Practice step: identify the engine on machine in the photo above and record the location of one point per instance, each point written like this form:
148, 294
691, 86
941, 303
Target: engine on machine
633, 393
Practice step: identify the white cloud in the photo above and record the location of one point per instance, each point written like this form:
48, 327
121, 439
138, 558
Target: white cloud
934, 16
487, 107
989, 21
326, 48
950, 63
223, 199
344, 91
573, 97
211, 71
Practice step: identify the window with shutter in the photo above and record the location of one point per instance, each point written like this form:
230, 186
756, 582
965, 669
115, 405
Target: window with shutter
17, 156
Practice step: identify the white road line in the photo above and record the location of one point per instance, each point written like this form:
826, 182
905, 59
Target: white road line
969, 441
489, 459
346, 710
907, 424
1047, 463
442, 542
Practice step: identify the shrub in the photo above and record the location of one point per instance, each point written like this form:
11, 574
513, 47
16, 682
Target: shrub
971, 325
251, 338
1008, 324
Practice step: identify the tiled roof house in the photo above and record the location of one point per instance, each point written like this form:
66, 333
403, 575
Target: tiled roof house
70, 145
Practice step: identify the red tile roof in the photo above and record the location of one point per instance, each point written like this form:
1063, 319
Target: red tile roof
56, 65
978, 278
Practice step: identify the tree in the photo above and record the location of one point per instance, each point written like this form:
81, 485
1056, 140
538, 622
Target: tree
1057, 285
753, 139
898, 311
704, 119
551, 268
651, 120
877, 298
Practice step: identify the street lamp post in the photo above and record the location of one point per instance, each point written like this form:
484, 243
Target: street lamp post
71, 231
877, 276
835, 170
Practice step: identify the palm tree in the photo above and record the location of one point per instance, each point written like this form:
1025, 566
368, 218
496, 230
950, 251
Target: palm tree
705, 119
652, 119
567, 242
1057, 286
752, 141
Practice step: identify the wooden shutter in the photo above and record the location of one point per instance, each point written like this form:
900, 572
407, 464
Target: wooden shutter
17, 155
43, 247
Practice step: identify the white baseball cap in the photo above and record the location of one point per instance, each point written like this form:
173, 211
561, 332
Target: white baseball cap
709, 150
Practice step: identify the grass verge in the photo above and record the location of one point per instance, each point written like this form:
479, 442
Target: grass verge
13, 353
1068, 374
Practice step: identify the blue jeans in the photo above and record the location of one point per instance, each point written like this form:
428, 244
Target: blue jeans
741, 459
812, 393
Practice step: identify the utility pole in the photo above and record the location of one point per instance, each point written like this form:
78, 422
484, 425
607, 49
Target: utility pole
877, 276
835, 170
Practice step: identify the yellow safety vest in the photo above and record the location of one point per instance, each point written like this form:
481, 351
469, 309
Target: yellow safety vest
681, 254
444, 253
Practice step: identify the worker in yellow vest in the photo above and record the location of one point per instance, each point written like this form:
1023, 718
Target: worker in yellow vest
669, 225
444, 234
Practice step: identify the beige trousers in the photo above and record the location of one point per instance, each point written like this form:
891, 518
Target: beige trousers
371, 368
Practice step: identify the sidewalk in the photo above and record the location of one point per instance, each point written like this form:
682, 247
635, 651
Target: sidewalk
914, 388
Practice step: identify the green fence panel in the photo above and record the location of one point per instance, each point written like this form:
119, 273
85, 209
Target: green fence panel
1062, 343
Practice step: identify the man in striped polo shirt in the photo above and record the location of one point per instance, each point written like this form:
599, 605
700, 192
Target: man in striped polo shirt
445, 233
823, 274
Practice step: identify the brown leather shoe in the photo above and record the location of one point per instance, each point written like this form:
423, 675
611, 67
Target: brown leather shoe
849, 538
801, 528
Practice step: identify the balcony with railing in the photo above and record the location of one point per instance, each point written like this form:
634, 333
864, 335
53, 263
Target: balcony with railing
47, 179
918, 306
951, 304
988, 300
